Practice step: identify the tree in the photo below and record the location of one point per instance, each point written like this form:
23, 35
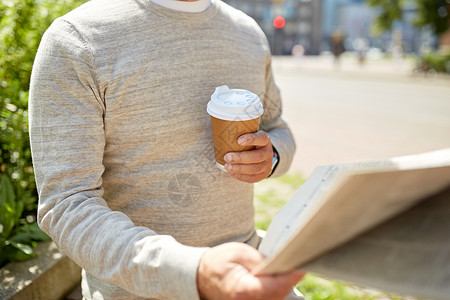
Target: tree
432, 13
390, 11
435, 13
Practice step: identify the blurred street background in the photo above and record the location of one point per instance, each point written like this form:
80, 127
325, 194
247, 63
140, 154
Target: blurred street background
366, 27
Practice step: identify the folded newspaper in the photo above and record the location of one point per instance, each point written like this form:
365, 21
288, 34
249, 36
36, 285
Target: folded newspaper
383, 224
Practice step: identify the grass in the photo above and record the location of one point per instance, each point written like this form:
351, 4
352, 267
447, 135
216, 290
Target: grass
270, 196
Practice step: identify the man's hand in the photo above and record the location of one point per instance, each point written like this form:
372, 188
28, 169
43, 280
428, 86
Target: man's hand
224, 272
253, 165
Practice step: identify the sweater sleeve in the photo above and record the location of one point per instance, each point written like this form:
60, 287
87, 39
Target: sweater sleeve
66, 119
273, 123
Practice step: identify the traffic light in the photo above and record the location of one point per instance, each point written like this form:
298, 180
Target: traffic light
279, 22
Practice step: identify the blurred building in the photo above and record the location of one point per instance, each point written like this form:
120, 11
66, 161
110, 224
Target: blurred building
354, 18
303, 22
311, 24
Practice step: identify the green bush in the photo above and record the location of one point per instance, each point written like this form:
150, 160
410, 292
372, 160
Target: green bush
434, 61
17, 234
22, 24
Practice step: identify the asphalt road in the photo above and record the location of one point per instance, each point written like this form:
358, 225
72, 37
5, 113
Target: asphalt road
352, 114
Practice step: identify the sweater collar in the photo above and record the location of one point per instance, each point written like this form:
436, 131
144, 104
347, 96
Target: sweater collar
185, 6
181, 16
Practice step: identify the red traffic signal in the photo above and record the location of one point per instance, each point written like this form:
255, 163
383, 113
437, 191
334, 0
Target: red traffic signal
279, 22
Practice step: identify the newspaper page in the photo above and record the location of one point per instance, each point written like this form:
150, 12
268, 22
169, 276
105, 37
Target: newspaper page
326, 178
357, 204
409, 254
293, 215
337, 203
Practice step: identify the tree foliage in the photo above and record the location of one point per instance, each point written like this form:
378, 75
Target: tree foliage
435, 13
432, 13
22, 24
390, 11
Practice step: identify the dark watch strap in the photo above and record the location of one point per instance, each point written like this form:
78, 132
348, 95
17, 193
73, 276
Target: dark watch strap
275, 160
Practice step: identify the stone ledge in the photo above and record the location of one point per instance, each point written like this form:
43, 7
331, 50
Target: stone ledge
51, 275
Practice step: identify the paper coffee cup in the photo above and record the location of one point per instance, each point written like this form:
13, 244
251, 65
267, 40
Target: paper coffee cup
233, 112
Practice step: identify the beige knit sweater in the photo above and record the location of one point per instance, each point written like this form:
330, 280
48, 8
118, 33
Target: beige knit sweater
122, 147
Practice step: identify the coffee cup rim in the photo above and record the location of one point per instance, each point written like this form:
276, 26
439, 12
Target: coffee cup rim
240, 105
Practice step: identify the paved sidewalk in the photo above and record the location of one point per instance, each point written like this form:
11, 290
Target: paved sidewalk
380, 68
355, 113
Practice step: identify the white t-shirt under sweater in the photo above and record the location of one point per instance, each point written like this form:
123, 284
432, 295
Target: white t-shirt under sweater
122, 147
186, 6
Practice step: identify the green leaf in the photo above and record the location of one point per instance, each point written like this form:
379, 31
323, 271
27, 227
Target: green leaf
7, 195
18, 211
28, 233
12, 253
27, 249
7, 206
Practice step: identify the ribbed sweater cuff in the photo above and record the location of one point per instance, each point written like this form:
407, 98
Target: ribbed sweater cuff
182, 280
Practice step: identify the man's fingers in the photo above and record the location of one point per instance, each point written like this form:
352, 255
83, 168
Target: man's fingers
248, 169
292, 278
249, 157
249, 178
223, 266
284, 281
251, 165
224, 272
258, 139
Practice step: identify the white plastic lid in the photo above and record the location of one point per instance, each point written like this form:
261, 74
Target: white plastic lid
234, 104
